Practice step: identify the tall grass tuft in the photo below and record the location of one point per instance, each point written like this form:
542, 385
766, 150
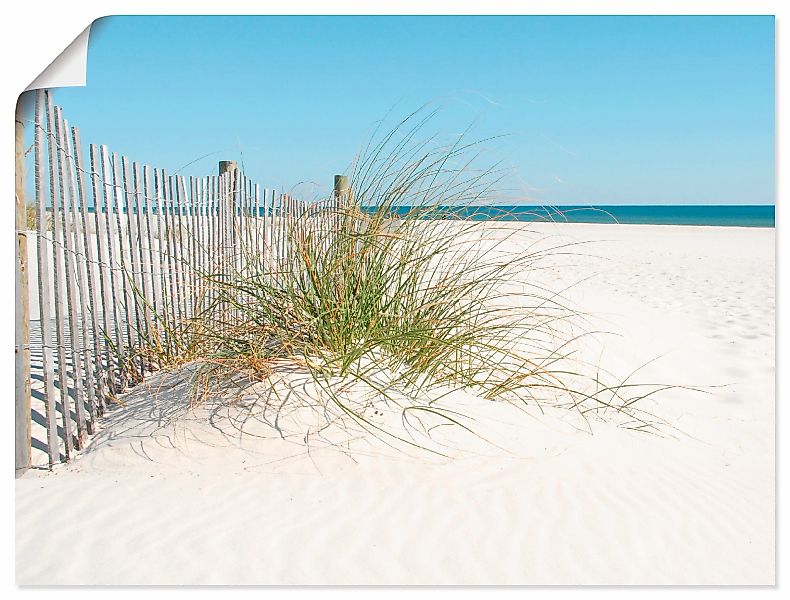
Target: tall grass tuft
377, 290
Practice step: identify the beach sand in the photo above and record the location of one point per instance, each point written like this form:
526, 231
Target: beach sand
168, 496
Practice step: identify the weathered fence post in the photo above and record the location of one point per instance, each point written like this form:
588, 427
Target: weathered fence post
227, 166
339, 205
22, 329
341, 186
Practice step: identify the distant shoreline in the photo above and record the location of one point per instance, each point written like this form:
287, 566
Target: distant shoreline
719, 215
758, 215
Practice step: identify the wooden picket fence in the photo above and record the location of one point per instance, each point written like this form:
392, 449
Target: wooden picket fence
122, 251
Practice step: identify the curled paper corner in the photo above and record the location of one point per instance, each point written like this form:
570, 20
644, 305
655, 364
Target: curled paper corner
70, 67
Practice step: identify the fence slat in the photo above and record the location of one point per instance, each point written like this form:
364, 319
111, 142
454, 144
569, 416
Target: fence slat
230, 213
266, 226
214, 236
142, 253
99, 210
164, 272
196, 245
90, 321
244, 238
258, 233
172, 245
72, 282
115, 269
181, 250
77, 316
23, 415
186, 246
45, 309
133, 261
224, 220
233, 206
175, 200
94, 273
193, 254
189, 223
127, 306
151, 262
283, 228
161, 245
57, 254
203, 229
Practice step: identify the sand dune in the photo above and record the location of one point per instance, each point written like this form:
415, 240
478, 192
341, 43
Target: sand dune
165, 495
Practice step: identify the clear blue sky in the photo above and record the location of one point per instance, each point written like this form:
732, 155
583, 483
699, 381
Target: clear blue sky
596, 110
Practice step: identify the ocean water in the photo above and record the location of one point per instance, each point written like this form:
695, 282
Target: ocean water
719, 215
710, 215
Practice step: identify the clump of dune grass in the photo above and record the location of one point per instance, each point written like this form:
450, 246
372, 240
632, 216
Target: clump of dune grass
378, 290
30, 215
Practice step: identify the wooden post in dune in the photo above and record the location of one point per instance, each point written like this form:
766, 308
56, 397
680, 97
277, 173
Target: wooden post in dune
341, 185
341, 191
227, 166
228, 170
22, 329
339, 203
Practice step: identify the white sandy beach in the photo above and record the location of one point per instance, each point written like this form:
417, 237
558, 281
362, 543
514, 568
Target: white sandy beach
165, 496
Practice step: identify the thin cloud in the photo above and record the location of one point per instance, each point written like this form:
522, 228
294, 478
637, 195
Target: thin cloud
484, 97
558, 145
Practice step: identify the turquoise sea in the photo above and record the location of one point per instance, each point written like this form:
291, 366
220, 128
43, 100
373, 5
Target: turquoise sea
721, 215
710, 215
